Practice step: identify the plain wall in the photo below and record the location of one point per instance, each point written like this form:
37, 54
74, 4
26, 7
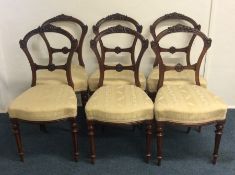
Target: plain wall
220, 66
19, 17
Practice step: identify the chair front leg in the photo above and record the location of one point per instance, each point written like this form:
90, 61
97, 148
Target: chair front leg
16, 131
74, 129
218, 134
148, 140
91, 135
159, 142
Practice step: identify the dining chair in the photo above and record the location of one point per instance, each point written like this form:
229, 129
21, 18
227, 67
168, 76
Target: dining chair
113, 77
185, 104
79, 74
172, 77
46, 103
123, 104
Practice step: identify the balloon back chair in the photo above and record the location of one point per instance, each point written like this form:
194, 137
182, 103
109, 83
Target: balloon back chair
119, 104
47, 103
113, 77
172, 77
187, 105
79, 74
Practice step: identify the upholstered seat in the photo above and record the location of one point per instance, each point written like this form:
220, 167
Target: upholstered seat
45, 103
79, 77
188, 104
172, 78
112, 77
119, 104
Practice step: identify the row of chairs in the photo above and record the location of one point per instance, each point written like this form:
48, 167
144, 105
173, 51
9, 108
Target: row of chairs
116, 93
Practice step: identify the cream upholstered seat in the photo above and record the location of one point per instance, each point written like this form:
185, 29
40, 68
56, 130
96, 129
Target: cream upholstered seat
172, 78
119, 104
188, 104
112, 77
79, 77
45, 103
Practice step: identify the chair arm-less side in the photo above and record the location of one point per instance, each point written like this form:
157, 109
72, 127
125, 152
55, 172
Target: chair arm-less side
119, 104
187, 105
47, 103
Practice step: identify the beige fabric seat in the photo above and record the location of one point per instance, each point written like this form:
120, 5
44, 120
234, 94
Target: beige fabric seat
112, 77
172, 78
45, 103
79, 77
188, 104
119, 104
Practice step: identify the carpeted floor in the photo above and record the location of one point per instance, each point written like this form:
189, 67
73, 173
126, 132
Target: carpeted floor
119, 151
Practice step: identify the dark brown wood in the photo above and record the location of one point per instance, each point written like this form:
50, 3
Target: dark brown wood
70, 19
180, 18
159, 128
91, 135
16, 132
158, 49
101, 55
218, 134
75, 138
84, 98
116, 17
51, 66
148, 140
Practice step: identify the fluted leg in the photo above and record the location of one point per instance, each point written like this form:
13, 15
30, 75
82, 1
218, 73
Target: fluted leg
75, 138
218, 134
16, 131
159, 142
91, 140
148, 140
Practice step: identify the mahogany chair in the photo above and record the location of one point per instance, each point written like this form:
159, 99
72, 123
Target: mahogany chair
113, 77
79, 74
172, 77
46, 103
119, 104
187, 105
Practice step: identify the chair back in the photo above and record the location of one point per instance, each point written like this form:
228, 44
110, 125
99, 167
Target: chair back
181, 18
179, 67
51, 66
80, 38
100, 54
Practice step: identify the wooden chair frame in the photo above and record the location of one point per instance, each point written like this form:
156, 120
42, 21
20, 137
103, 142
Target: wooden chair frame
51, 67
134, 67
163, 68
121, 18
78, 50
174, 16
